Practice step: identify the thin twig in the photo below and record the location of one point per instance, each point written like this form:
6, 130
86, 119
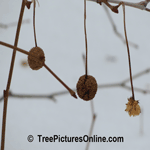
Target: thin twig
100, 86
50, 96
141, 5
141, 123
91, 130
11, 94
137, 75
14, 47
60, 93
136, 89
10, 76
70, 91
130, 70
92, 123
5, 26
93, 113
109, 85
27, 53
92, 109
115, 28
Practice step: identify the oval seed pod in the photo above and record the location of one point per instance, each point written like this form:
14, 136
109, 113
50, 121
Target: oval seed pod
86, 87
36, 59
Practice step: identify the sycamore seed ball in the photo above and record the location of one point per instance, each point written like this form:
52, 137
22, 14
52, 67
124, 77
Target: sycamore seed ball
36, 58
86, 87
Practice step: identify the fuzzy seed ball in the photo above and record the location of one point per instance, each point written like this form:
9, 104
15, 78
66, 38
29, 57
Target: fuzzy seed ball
86, 87
36, 59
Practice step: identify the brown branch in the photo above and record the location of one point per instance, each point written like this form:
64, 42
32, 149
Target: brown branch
141, 123
50, 96
11, 94
100, 86
141, 5
115, 28
14, 47
70, 91
113, 8
109, 85
92, 111
60, 93
136, 89
5, 26
10, 76
137, 75
27, 53
91, 129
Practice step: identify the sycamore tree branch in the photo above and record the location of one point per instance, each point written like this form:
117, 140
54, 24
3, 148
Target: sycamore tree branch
141, 5
52, 96
5, 26
115, 28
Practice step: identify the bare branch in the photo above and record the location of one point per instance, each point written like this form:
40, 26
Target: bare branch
141, 5
115, 28
11, 94
10, 75
100, 86
92, 111
137, 75
5, 26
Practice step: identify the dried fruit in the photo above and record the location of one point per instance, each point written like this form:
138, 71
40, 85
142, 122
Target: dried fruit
86, 87
36, 58
132, 107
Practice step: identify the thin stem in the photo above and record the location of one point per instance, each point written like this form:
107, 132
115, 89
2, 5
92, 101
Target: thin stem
115, 28
141, 123
121, 84
128, 52
85, 36
136, 89
11, 94
92, 108
60, 93
18, 49
135, 5
142, 5
93, 114
109, 85
91, 130
34, 24
137, 75
14, 47
70, 91
10, 76
5, 26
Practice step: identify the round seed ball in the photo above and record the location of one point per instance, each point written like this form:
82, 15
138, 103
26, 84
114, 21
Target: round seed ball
36, 58
86, 87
